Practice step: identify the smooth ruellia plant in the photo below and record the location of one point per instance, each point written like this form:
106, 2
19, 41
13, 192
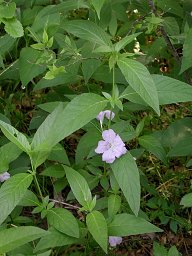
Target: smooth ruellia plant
88, 88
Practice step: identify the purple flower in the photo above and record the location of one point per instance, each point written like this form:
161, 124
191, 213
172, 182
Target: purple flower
115, 240
111, 147
4, 176
107, 113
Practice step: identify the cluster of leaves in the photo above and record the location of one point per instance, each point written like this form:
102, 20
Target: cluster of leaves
82, 57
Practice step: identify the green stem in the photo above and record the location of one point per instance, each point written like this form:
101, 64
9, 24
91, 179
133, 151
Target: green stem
38, 187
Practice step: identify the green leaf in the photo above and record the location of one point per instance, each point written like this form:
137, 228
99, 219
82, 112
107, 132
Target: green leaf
187, 53
126, 224
153, 145
171, 26
29, 199
8, 153
171, 90
186, 200
7, 11
55, 170
15, 136
53, 239
64, 221
98, 4
97, 226
14, 237
114, 203
182, 148
63, 122
87, 30
141, 81
125, 41
79, 186
13, 27
127, 176
28, 69
89, 67
173, 251
159, 250
58, 153
11, 193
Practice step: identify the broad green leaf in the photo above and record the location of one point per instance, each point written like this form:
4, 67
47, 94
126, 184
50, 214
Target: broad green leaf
64, 221
170, 6
182, 148
114, 203
55, 170
159, 250
11, 193
7, 11
14, 237
78, 186
58, 153
8, 153
171, 90
89, 67
171, 26
125, 41
28, 67
15, 136
127, 175
187, 53
63, 122
173, 251
29, 199
87, 142
153, 145
6, 43
98, 4
13, 27
186, 200
87, 30
141, 81
61, 79
53, 239
126, 224
97, 226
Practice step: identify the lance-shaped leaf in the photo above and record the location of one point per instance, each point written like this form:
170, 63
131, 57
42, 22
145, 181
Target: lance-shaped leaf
141, 81
11, 192
15, 136
62, 122
127, 175
187, 53
97, 226
79, 186
14, 237
64, 221
88, 30
126, 224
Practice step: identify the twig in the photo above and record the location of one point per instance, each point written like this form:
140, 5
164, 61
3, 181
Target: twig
168, 41
69, 205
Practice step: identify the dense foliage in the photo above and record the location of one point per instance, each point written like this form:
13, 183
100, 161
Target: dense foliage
96, 127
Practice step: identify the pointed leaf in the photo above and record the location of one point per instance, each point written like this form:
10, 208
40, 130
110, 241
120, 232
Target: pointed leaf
88, 30
78, 186
127, 175
98, 4
187, 53
114, 204
64, 221
140, 80
15, 136
13, 27
125, 41
14, 237
11, 193
126, 224
97, 226
65, 121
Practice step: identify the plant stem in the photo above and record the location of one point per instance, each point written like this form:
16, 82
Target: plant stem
38, 187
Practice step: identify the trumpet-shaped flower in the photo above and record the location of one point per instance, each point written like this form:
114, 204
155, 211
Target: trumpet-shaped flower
115, 240
4, 176
111, 147
107, 113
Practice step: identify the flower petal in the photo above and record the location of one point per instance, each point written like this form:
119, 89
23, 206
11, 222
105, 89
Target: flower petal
109, 135
109, 114
102, 147
4, 176
119, 151
100, 117
108, 156
114, 240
